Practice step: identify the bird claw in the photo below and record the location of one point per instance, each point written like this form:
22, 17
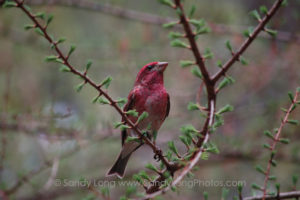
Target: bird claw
157, 154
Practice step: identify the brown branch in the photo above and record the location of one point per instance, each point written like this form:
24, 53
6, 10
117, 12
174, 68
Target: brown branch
194, 48
148, 18
260, 27
283, 195
276, 140
155, 190
87, 80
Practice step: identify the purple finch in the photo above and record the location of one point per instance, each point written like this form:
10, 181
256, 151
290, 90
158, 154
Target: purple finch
148, 95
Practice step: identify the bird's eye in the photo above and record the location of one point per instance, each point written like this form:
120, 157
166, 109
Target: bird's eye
149, 67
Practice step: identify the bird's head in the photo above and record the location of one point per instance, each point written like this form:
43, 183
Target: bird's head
152, 73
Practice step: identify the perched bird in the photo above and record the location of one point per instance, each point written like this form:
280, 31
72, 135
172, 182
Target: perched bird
149, 95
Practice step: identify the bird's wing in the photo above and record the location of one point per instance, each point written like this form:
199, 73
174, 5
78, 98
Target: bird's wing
128, 106
168, 106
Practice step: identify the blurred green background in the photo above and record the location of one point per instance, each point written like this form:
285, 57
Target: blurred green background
44, 120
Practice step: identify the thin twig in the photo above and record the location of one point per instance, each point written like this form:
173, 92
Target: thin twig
275, 141
260, 27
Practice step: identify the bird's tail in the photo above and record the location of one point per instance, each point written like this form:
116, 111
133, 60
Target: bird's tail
119, 167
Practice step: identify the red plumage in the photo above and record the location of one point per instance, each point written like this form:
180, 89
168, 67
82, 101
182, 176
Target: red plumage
150, 95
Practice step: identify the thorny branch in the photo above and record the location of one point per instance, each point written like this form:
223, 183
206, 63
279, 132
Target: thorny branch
260, 27
276, 140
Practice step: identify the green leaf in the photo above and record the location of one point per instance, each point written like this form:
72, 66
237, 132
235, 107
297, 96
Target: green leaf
172, 147
267, 146
204, 155
284, 3
291, 96
64, 68
174, 35
225, 193
123, 127
240, 187
255, 186
132, 139
144, 175
272, 178
273, 163
106, 82
29, 26
88, 65
227, 108
186, 63
105, 191
143, 116
40, 15
263, 10
95, 99
123, 198
192, 11
212, 148
225, 82
169, 25
268, 134
178, 11
39, 31
118, 124
219, 64
151, 167
138, 178
205, 195
260, 169
103, 101
49, 20
51, 58
192, 106
166, 2
9, 4
197, 23
121, 101
61, 40
271, 32
131, 189
293, 121
203, 30
79, 87
243, 60
133, 113
255, 15
295, 180
72, 49
248, 32
208, 54
184, 140
188, 129
196, 71
228, 45
179, 43
284, 140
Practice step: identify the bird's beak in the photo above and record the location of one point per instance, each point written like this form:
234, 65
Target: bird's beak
162, 66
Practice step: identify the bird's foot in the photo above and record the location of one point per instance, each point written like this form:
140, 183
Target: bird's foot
158, 154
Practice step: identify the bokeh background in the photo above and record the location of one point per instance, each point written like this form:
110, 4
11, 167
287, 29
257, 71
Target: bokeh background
49, 131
